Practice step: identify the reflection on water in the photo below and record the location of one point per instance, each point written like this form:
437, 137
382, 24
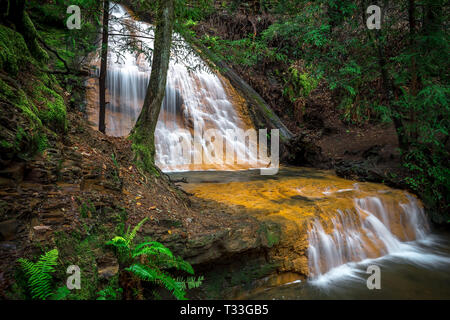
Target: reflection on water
348, 226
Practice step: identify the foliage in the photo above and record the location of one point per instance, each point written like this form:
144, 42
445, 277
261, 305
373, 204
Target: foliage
150, 260
13, 51
244, 52
39, 274
31, 91
110, 293
298, 84
53, 110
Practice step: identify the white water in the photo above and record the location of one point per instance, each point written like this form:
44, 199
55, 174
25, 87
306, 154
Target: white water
194, 96
373, 232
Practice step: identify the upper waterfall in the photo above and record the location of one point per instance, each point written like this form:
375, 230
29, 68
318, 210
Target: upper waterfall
195, 97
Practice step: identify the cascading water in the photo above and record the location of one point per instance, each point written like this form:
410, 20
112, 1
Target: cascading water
195, 97
373, 229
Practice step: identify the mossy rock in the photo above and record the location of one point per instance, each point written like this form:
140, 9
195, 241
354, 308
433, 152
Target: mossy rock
53, 109
14, 53
21, 131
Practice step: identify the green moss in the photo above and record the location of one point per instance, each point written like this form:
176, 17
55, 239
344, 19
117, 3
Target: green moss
145, 161
14, 53
20, 100
6, 144
57, 39
33, 104
53, 110
28, 137
42, 143
271, 232
144, 150
32, 42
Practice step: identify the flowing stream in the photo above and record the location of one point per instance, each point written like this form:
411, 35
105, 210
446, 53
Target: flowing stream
346, 226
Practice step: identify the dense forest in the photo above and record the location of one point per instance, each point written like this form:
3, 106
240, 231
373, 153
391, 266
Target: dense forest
357, 88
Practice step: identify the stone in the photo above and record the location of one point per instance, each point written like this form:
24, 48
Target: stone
8, 230
300, 265
108, 272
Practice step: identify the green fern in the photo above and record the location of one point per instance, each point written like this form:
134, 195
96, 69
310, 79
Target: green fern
39, 274
149, 261
131, 235
190, 282
159, 277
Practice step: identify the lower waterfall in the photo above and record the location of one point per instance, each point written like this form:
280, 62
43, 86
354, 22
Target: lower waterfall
373, 229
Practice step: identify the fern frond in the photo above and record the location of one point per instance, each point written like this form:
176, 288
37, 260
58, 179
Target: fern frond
190, 282
118, 242
157, 276
27, 266
130, 236
151, 248
148, 243
179, 264
48, 261
39, 274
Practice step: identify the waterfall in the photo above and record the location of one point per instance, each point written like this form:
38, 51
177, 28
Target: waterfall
376, 227
195, 97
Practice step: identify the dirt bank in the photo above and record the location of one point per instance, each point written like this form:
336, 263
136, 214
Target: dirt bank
76, 193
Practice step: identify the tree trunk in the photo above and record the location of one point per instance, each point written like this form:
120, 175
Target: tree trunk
143, 133
103, 68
